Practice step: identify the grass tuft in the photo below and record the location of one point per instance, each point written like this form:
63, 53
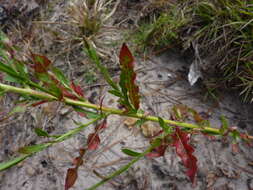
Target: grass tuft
221, 29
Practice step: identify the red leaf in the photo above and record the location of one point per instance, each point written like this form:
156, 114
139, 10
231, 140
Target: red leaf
70, 178
67, 94
184, 150
81, 114
128, 76
41, 63
157, 152
39, 103
78, 161
101, 104
81, 152
77, 89
102, 125
126, 58
93, 141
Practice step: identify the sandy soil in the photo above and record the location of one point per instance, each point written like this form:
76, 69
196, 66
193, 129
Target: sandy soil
163, 84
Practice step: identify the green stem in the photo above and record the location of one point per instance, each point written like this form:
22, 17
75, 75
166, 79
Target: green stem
27, 91
8, 164
123, 168
69, 101
140, 116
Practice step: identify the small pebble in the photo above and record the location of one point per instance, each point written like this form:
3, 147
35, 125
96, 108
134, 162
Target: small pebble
30, 170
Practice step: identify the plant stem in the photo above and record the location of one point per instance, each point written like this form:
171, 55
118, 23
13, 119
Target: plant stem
123, 168
6, 165
86, 104
140, 116
27, 91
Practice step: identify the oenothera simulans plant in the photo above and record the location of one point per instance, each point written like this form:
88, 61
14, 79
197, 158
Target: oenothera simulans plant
38, 81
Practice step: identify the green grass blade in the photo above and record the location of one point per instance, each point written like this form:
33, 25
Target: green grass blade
10, 163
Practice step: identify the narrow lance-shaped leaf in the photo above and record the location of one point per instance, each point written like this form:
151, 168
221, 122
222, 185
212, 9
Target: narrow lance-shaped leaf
61, 77
77, 89
78, 161
164, 126
185, 151
91, 52
70, 178
18, 109
41, 133
127, 78
10, 71
93, 141
41, 63
32, 149
87, 113
72, 174
224, 126
130, 152
36, 148
101, 126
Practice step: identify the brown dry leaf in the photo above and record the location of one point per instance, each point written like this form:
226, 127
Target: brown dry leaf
149, 129
180, 112
50, 108
129, 122
70, 178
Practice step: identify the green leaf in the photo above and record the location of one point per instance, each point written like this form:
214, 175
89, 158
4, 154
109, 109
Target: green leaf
10, 163
44, 77
236, 136
124, 168
61, 77
130, 152
10, 78
89, 114
41, 133
51, 85
54, 89
18, 109
22, 70
7, 69
29, 150
91, 52
32, 149
115, 93
224, 126
140, 122
157, 142
164, 126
